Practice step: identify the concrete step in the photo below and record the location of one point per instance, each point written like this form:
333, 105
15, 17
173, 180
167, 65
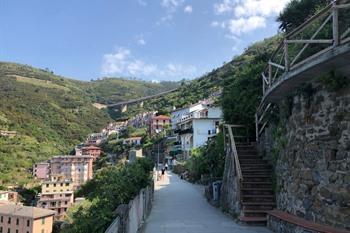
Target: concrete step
252, 219
250, 156
251, 203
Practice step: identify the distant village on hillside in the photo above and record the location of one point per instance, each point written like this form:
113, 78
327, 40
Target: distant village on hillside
61, 176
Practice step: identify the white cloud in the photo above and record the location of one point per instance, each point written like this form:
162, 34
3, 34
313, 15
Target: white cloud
258, 7
115, 63
224, 7
246, 15
172, 5
142, 2
123, 63
244, 25
141, 41
188, 9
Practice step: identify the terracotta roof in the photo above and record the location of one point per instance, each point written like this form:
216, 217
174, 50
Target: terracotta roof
25, 211
161, 117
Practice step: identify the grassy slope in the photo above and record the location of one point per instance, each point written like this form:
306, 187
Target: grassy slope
113, 90
52, 114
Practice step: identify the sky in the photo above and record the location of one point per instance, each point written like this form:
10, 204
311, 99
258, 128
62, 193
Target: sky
147, 39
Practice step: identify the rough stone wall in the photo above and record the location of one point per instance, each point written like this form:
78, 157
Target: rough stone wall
228, 195
312, 157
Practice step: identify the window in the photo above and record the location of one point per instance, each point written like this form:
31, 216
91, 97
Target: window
9, 221
61, 184
16, 231
0, 229
9, 230
2, 219
42, 231
209, 132
54, 185
17, 221
43, 221
28, 223
47, 185
67, 184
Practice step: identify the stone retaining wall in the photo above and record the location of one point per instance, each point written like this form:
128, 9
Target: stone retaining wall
310, 147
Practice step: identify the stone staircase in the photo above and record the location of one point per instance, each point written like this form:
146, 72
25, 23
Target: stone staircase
257, 195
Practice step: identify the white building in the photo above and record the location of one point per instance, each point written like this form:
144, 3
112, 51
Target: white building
195, 124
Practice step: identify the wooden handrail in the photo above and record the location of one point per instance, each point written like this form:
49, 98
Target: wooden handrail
235, 154
291, 61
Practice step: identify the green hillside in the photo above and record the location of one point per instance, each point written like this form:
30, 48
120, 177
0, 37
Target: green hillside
51, 114
113, 90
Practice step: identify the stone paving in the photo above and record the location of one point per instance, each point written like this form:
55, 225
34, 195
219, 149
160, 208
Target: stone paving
180, 207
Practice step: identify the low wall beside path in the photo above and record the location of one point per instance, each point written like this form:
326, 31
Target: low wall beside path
131, 216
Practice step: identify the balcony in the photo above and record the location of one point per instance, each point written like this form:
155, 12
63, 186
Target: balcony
184, 131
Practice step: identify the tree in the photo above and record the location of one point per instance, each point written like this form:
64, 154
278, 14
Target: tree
297, 11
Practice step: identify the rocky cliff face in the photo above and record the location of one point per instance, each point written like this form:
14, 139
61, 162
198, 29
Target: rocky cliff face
310, 147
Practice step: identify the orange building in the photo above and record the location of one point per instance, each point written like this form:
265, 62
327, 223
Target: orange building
158, 123
25, 219
94, 151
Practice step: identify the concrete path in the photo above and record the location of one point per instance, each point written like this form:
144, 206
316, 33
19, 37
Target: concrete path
180, 207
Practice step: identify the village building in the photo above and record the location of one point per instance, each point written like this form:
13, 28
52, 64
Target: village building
94, 151
76, 168
195, 125
134, 154
96, 138
158, 123
57, 194
9, 134
25, 219
132, 141
7, 197
41, 170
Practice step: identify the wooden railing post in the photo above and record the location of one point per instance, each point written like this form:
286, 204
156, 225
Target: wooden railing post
286, 58
335, 24
263, 86
270, 73
256, 127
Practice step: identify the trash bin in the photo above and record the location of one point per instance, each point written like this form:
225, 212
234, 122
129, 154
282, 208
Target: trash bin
216, 190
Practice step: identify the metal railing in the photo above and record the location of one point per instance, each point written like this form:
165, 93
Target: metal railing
327, 29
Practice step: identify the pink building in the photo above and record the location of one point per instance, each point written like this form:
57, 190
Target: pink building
158, 123
76, 168
41, 170
94, 151
25, 219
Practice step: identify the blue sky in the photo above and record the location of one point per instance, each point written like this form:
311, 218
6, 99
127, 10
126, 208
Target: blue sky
148, 39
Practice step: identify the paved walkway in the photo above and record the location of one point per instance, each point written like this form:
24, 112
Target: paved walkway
180, 207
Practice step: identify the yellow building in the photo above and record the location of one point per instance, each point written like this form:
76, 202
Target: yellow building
57, 195
25, 219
